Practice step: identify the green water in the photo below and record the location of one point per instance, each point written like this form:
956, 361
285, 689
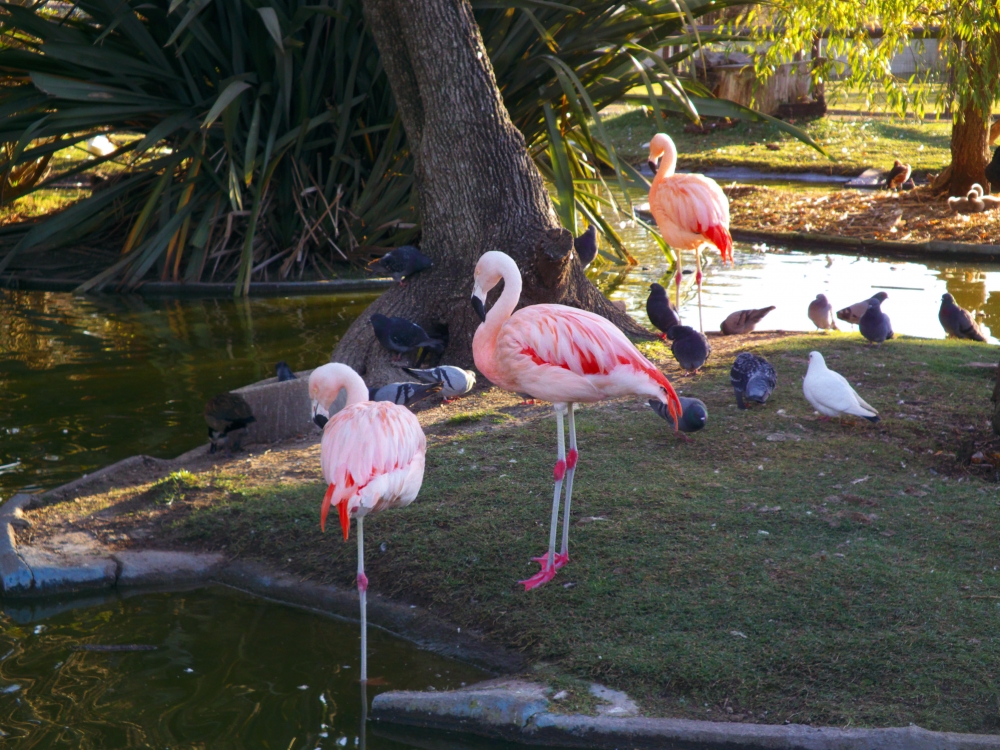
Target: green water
226, 671
85, 382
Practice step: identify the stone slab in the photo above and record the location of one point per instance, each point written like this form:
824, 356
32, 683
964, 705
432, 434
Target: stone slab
156, 567
282, 410
15, 576
53, 573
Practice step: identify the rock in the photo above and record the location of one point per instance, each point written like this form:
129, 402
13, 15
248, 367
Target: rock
153, 567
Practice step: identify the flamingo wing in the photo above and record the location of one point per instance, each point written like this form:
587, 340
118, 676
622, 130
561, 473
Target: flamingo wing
372, 456
582, 354
695, 204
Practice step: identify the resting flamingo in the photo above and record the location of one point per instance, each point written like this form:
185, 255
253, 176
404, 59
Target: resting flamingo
372, 456
558, 354
690, 210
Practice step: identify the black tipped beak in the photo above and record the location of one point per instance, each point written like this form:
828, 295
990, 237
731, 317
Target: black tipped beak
320, 421
653, 165
479, 307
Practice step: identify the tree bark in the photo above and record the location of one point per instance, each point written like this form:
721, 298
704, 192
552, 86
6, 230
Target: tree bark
969, 150
478, 189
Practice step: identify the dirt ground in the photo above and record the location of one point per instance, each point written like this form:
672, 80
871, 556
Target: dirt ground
909, 216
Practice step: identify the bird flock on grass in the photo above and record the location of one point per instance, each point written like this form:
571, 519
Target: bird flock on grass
372, 451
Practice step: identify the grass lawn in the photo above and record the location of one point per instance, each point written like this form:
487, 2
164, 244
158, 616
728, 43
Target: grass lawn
853, 144
776, 568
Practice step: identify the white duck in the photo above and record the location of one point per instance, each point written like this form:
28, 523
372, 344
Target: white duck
830, 394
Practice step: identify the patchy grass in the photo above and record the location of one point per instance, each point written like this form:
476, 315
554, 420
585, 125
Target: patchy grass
854, 145
776, 568
494, 416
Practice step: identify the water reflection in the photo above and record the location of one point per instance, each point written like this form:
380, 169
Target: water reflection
228, 670
86, 382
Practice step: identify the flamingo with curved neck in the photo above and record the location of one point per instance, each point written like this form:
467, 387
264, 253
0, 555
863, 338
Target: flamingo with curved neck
562, 355
372, 456
690, 210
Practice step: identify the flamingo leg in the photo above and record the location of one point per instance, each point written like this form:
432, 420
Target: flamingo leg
548, 562
362, 596
698, 277
563, 557
677, 282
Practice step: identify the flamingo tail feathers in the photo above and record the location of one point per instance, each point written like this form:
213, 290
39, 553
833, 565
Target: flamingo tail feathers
325, 509
719, 236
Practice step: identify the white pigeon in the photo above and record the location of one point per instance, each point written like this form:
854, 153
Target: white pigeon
456, 381
99, 145
830, 394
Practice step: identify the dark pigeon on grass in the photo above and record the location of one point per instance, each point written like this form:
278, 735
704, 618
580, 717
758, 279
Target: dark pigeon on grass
821, 313
404, 394
284, 372
852, 313
586, 246
402, 336
227, 415
690, 347
874, 324
993, 171
753, 379
694, 415
661, 313
743, 321
958, 321
401, 263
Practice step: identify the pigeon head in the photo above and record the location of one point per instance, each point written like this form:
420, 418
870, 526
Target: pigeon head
875, 303
657, 289
948, 298
821, 298
677, 332
816, 360
881, 296
757, 390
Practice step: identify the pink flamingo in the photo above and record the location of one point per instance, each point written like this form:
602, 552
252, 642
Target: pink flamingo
558, 354
690, 210
372, 455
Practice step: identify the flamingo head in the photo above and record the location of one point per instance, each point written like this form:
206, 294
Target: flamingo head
489, 272
662, 147
325, 384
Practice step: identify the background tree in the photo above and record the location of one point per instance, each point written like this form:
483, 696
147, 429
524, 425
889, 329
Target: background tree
862, 38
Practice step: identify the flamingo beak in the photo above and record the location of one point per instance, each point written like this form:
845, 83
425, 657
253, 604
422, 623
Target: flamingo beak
479, 303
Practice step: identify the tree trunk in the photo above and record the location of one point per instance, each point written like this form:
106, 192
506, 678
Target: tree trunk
478, 189
969, 150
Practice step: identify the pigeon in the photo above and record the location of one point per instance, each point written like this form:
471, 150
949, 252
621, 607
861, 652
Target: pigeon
899, 174
993, 170
830, 394
455, 381
957, 321
658, 308
821, 313
227, 415
284, 372
753, 378
853, 313
972, 203
99, 145
690, 348
404, 394
402, 263
874, 324
743, 321
586, 246
694, 415
402, 336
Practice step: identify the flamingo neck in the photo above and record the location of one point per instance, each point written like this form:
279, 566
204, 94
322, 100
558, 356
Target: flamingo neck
668, 161
357, 391
504, 306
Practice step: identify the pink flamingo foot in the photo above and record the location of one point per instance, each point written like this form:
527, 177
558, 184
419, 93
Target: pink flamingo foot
362, 582
541, 577
560, 560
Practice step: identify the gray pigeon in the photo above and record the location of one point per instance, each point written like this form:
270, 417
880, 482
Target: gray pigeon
752, 378
694, 415
853, 313
400, 335
403, 394
821, 313
957, 321
690, 347
874, 324
586, 246
454, 380
743, 321
402, 263
661, 313
283, 371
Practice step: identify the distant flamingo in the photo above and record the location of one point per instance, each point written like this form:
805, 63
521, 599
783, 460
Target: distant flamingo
558, 354
372, 455
690, 210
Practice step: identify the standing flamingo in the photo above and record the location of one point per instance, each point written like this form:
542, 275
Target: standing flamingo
372, 455
690, 210
558, 354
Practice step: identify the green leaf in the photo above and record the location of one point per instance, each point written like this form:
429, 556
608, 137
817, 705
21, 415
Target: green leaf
272, 25
228, 94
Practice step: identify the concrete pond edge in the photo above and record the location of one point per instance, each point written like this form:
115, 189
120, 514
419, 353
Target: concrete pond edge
39, 581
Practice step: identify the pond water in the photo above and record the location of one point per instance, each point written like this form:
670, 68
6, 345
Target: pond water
221, 670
